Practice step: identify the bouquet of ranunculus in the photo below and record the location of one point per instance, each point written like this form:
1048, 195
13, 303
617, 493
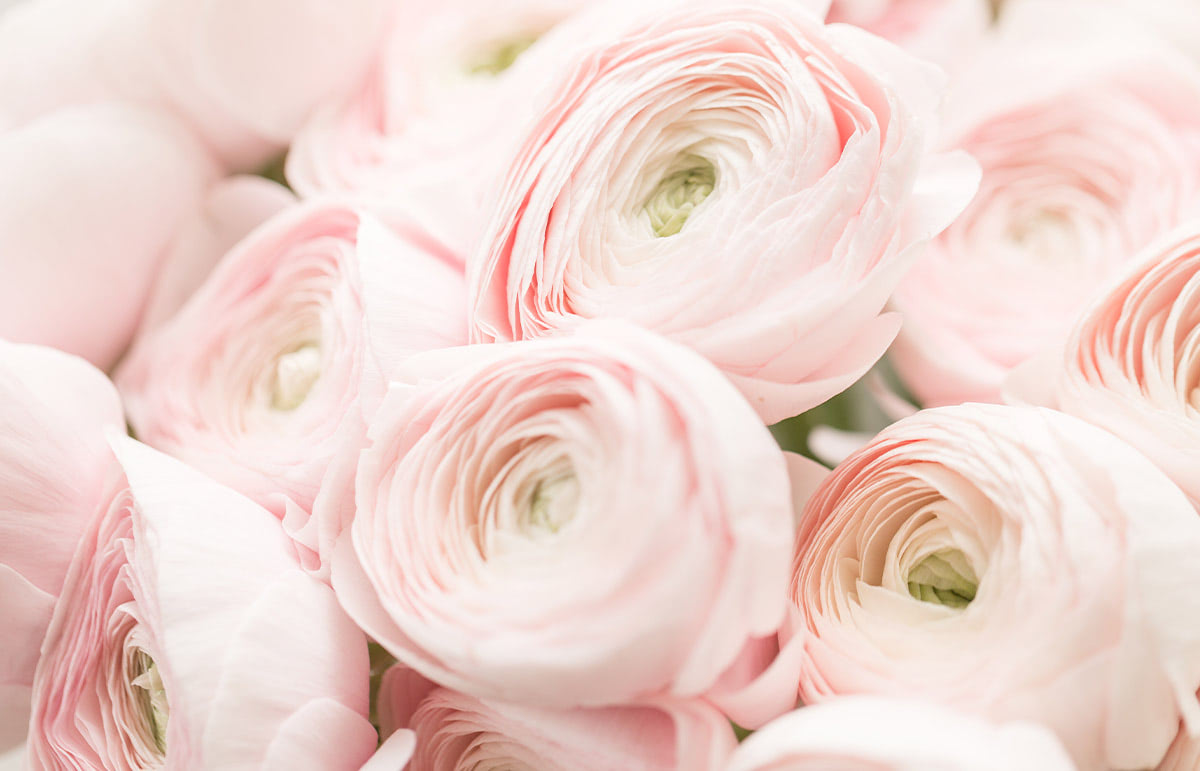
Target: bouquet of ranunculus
600, 385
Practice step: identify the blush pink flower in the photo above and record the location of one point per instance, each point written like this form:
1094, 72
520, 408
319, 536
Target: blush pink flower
573, 521
1132, 363
456, 731
187, 636
242, 74
1015, 563
733, 175
54, 478
1087, 141
259, 379
90, 199
864, 732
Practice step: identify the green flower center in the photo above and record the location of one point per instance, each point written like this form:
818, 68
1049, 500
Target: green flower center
153, 699
295, 374
687, 182
944, 578
553, 503
501, 56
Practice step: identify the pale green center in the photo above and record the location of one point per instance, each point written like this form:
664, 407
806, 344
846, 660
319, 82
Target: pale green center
944, 578
553, 503
295, 374
687, 182
501, 56
153, 698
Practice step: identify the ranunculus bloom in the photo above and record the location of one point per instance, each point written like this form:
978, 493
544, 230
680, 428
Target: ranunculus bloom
1090, 148
940, 30
864, 732
572, 521
243, 74
90, 198
1012, 562
54, 463
1131, 364
425, 121
734, 175
187, 636
258, 379
457, 731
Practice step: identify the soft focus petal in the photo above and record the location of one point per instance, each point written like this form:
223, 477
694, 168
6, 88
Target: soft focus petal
89, 201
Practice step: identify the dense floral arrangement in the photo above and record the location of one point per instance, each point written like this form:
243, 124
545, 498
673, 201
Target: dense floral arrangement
600, 385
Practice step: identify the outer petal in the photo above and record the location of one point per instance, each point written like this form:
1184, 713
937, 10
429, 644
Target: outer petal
89, 200
896, 735
253, 645
242, 75
234, 207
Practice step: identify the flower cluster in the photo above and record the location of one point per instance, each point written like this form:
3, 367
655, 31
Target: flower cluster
595, 385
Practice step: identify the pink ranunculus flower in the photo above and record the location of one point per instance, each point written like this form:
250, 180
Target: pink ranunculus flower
89, 201
1132, 363
734, 175
1089, 139
187, 636
455, 730
881, 734
259, 380
424, 123
573, 521
1012, 562
54, 477
243, 74
940, 30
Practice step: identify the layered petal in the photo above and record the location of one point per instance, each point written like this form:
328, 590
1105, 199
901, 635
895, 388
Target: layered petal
738, 177
189, 637
1015, 563
54, 470
572, 521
